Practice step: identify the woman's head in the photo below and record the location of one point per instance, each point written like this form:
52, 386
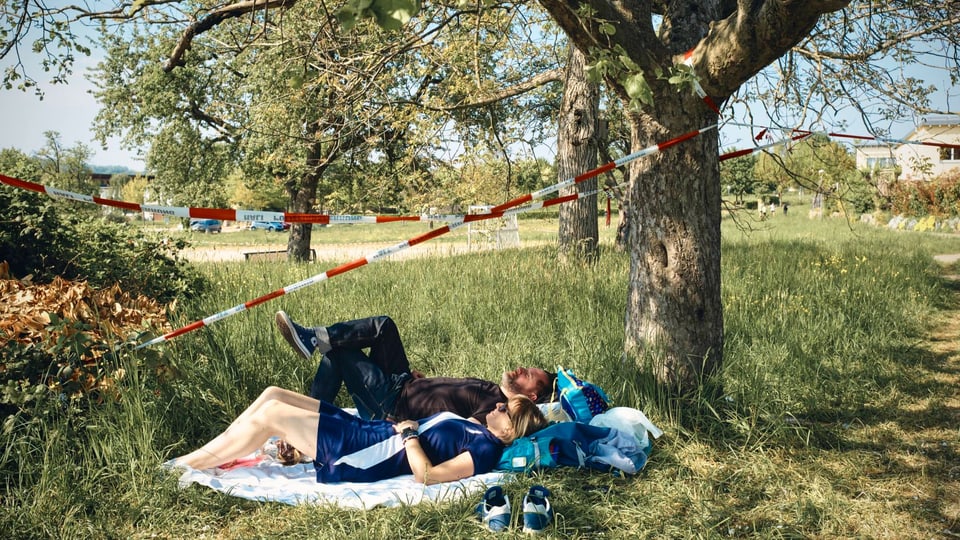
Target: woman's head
518, 417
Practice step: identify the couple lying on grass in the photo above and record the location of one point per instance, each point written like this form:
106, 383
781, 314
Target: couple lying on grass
464, 425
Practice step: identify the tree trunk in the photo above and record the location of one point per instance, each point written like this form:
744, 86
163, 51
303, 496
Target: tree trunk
302, 197
577, 154
674, 315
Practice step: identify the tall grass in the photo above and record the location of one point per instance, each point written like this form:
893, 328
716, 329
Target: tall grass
824, 326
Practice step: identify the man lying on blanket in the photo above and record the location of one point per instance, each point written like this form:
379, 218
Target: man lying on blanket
383, 386
346, 448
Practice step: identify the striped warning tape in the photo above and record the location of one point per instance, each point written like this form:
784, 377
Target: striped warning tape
535, 199
227, 214
746, 151
363, 261
765, 129
881, 139
650, 150
688, 61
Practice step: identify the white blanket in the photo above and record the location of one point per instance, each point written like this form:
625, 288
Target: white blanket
297, 484
269, 480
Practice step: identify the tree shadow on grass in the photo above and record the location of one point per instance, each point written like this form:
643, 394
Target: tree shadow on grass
907, 433
899, 447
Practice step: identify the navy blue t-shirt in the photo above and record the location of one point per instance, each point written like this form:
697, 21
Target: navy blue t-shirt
340, 434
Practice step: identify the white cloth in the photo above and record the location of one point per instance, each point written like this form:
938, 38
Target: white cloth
269, 480
297, 484
628, 420
620, 450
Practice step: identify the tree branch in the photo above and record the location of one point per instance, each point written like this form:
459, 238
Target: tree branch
538, 80
214, 18
631, 19
739, 46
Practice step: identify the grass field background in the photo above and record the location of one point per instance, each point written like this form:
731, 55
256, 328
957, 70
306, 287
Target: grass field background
835, 414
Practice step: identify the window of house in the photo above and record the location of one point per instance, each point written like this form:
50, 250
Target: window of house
881, 163
949, 154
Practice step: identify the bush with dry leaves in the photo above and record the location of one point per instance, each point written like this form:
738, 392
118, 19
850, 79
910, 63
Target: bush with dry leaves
61, 336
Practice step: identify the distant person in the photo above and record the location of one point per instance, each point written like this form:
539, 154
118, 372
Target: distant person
785, 206
346, 448
383, 386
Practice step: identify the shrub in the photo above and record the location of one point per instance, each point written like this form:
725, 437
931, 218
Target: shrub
939, 197
53, 356
60, 339
46, 238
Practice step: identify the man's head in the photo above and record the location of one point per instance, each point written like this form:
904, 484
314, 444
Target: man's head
535, 383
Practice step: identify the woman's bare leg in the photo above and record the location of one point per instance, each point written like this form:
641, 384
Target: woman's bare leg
282, 395
276, 413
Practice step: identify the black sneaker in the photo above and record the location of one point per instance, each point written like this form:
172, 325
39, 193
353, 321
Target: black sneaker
303, 340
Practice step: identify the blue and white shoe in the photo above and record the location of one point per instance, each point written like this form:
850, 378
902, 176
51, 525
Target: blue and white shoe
494, 509
537, 512
303, 340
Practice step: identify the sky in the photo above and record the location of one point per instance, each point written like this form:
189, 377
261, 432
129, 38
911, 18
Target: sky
70, 109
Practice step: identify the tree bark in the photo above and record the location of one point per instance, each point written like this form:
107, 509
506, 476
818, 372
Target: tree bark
577, 147
674, 315
302, 197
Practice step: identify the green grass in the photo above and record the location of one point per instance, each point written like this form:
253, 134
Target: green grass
834, 420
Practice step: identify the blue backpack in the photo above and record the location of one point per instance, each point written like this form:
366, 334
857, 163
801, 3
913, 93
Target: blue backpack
530, 453
567, 444
581, 400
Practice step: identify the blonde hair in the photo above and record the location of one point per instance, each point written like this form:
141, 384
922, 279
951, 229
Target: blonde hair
525, 418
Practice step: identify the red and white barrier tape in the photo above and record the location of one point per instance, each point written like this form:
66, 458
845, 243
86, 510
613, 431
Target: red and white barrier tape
373, 257
848, 136
650, 150
755, 149
227, 214
243, 215
688, 61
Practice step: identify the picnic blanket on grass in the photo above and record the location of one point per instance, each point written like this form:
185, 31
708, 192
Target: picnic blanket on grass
260, 477
269, 480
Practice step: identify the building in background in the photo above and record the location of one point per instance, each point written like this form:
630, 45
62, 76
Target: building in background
916, 161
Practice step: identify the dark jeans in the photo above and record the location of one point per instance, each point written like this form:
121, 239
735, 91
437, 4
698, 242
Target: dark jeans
375, 379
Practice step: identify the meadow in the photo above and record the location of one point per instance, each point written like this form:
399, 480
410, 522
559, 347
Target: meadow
835, 414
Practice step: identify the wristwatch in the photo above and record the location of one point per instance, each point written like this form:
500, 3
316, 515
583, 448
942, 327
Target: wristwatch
409, 433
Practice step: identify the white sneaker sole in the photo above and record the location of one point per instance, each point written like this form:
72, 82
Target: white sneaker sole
285, 325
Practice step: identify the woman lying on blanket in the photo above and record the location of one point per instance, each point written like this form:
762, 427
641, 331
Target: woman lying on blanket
347, 448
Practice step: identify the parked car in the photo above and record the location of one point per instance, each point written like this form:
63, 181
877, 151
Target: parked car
272, 226
205, 225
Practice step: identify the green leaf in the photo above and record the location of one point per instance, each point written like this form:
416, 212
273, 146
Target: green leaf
393, 14
137, 6
637, 88
593, 73
347, 17
629, 63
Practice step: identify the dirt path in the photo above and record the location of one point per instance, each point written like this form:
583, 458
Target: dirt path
947, 259
329, 252
930, 420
